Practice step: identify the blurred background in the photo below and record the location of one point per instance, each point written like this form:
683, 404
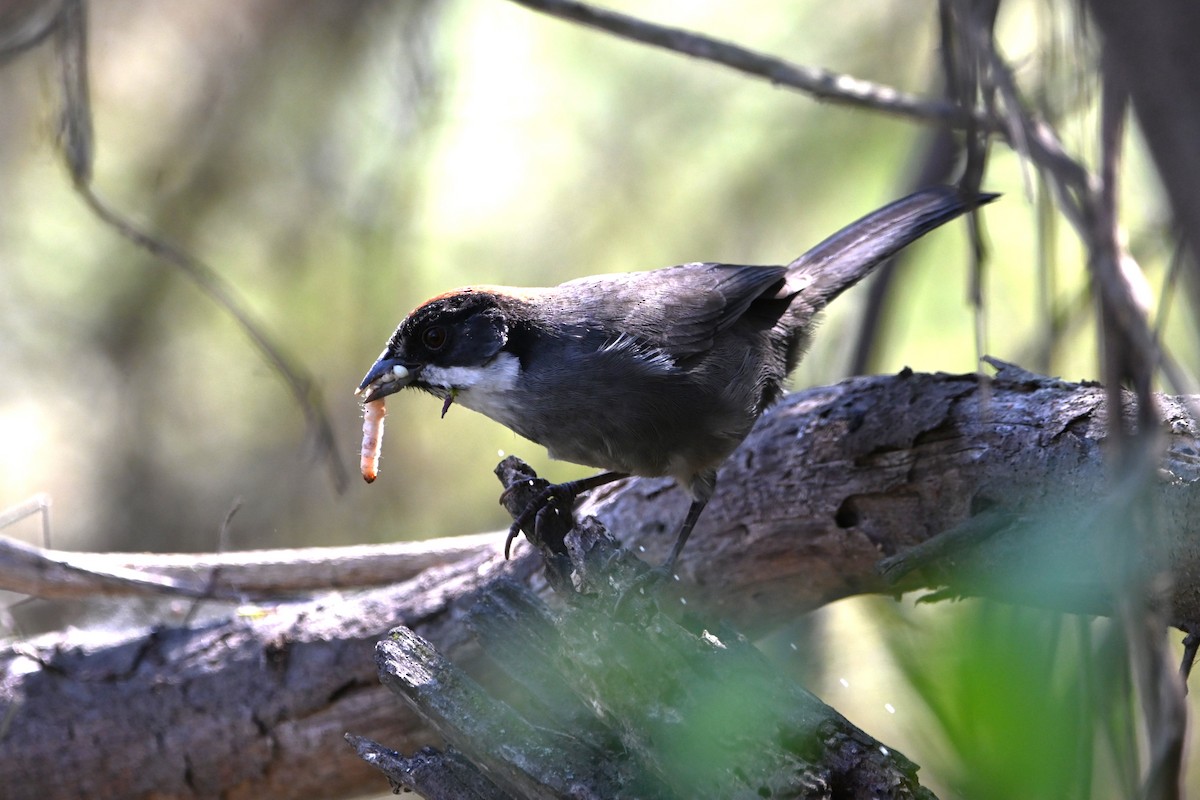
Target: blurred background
338, 162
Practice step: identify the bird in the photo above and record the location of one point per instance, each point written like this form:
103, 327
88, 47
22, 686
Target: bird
654, 373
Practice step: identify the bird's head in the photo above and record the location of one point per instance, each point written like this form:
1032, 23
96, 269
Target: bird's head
447, 344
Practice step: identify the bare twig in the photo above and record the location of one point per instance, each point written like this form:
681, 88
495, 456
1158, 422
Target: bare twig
306, 395
1079, 198
963, 64
245, 575
820, 83
214, 574
25, 24
1130, 354
75, 136
38, 504
1032, 137
77, 146
46, 573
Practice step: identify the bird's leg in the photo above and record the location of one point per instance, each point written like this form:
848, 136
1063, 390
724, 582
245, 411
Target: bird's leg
702, 486
664, 571
563, 494
667, 568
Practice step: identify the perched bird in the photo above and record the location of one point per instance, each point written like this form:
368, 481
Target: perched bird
658, 373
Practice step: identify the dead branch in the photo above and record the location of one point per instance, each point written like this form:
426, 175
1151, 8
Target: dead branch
821, 84
830, 482
77, 145
242, 576
618, 699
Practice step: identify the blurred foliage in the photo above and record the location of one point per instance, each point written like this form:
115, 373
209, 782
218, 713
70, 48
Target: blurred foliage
1024, 702
338, 162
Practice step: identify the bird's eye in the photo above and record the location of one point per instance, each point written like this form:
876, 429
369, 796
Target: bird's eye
434, 337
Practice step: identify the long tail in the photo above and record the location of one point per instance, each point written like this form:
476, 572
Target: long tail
849, 255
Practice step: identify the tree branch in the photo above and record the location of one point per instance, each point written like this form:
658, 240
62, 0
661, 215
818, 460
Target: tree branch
76, 142
246, 575
820, 83
830, 482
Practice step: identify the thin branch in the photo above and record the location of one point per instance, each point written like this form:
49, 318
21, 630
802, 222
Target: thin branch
1130, 354
37, 504
820, 83
75, 135
212, 284
23, 28
244, 575
78, 148
1033, 138
38, 572
772, 548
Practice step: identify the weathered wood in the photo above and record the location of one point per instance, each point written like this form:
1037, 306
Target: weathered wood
618, 700
244, 575
837, 478
831, 481
430, 771
247, 704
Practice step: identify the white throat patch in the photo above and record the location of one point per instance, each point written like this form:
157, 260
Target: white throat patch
482, 389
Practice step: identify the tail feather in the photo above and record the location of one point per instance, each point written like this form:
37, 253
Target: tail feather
849, 255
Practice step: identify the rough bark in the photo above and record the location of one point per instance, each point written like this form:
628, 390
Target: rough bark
839, 477
251, 704
615, 699
830, 482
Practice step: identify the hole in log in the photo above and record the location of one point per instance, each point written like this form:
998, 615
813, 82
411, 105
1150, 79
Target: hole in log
847, 514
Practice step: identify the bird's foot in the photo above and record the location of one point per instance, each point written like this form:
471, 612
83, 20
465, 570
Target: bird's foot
559, 496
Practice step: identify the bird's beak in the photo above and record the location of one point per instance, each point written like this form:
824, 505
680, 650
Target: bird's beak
386, 376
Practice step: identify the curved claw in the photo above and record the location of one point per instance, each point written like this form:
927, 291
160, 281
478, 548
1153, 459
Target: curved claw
566, 492
513, 531
540, 501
